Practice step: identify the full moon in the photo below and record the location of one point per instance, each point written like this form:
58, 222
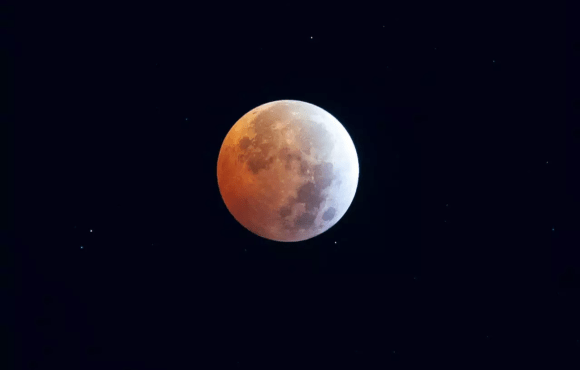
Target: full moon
287, 171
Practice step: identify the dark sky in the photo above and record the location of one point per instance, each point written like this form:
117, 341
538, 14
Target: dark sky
461, 244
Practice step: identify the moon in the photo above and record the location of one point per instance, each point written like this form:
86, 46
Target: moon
287, 171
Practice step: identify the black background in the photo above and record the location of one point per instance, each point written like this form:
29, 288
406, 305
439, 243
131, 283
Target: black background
461, 244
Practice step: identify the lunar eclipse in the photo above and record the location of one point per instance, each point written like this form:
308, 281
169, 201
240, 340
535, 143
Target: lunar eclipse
287, 171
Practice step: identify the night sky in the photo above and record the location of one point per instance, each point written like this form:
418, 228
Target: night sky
461, 246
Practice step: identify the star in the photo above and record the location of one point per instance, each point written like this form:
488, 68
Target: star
546, 162
552, 229
334, 242
186, 118
91, 230
493, 61
82, 247
311, 37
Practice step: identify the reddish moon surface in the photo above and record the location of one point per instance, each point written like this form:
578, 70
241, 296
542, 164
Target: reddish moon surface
287, 171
